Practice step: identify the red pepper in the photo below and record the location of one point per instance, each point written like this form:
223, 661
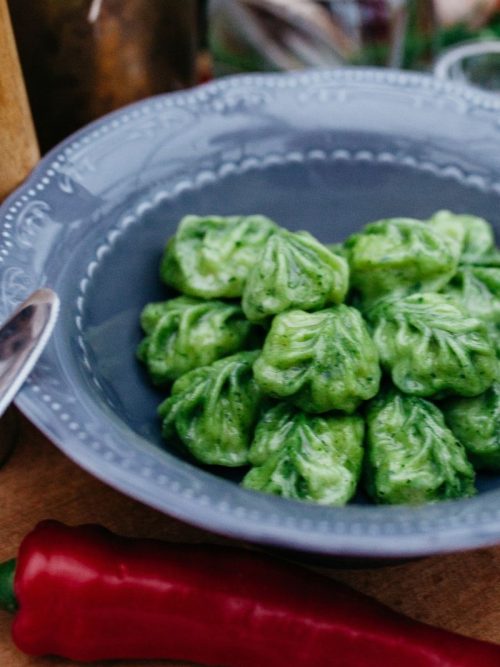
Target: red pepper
86, 594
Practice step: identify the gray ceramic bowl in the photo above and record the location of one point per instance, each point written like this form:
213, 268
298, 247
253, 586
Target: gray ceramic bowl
325, 151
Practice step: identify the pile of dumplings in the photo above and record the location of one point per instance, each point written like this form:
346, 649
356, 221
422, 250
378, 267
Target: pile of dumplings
325, 369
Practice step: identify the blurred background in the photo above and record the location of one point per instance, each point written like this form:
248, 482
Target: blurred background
84, 58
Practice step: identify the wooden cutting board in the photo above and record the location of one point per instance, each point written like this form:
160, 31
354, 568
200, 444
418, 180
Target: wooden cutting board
18, 144
460, 591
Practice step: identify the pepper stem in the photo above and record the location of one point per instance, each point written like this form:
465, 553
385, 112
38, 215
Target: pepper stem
7, 598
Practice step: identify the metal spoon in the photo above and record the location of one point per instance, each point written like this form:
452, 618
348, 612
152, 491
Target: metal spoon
22, 338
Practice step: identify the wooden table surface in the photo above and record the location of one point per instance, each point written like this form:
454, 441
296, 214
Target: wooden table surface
460, 591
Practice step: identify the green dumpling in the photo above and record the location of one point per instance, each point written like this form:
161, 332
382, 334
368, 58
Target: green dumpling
476, 423
212, 410
306, 457
474, 235
338, 249
400, 256
432, 347
210, 257
319, 361
294, 270
412, 457
184, 333
492, 260
477, 289
272, 431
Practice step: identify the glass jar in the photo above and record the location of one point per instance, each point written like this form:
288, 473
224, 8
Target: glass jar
83, 58
476, 63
